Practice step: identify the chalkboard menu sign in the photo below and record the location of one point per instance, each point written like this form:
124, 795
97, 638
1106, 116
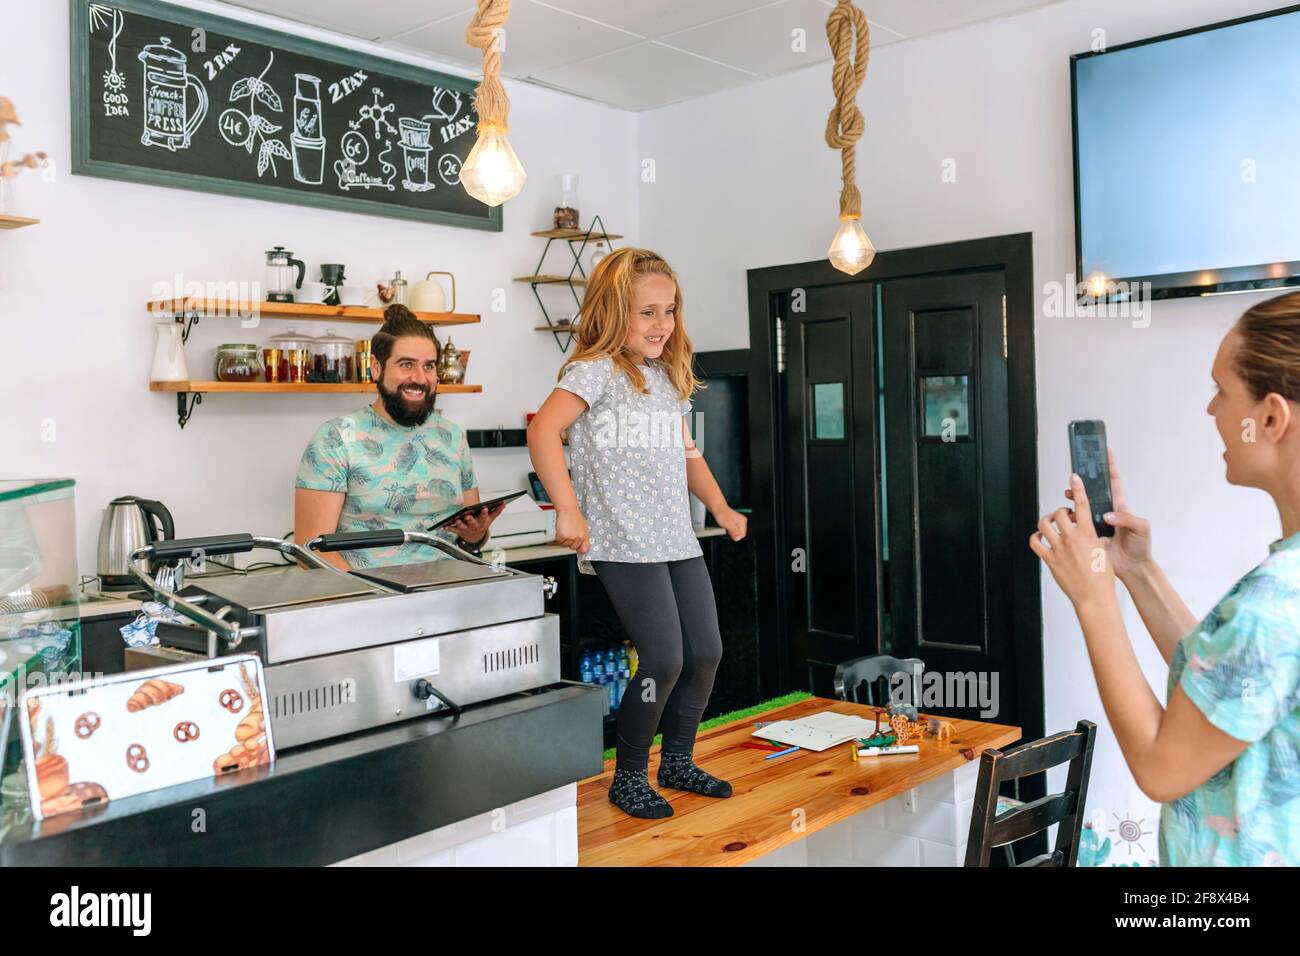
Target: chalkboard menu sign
171, 96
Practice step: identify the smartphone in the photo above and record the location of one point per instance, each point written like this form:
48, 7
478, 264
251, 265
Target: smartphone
1088, 460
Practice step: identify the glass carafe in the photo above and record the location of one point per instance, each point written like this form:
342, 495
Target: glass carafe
280, 281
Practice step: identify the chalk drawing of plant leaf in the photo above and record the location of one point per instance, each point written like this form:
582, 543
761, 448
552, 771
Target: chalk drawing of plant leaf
264, 125
270, 147
241, 89
270, 97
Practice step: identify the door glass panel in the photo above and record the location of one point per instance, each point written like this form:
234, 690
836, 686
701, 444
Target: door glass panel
828, 410
945, 400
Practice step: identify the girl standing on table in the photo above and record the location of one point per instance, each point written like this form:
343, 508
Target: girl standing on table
1223, 753
624, 395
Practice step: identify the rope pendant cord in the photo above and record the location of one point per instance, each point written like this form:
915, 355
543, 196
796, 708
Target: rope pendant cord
845, 124
490, 99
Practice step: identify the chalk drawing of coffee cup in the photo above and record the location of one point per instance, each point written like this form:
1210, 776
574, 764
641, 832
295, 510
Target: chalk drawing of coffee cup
446, 104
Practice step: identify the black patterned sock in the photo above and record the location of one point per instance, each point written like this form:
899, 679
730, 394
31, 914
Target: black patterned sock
631, 792
678, 772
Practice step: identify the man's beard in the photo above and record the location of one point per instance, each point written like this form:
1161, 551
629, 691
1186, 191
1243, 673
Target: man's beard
401, 411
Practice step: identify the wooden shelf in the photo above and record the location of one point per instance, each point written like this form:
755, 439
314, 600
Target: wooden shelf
16, 222
576, 234
304, 311
191, 385
549, 280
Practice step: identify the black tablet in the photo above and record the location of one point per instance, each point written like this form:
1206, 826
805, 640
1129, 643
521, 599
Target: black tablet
474, 509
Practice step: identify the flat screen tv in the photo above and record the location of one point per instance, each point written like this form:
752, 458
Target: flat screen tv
1187, 159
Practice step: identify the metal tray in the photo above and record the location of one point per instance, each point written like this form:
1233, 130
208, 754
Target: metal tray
428, 574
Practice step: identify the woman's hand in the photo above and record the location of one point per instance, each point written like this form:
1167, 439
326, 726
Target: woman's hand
1130, 549
571, 530
1074, 554
731, 521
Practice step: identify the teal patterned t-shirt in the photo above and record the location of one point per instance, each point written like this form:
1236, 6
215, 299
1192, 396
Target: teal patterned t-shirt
391, 477
1241, 668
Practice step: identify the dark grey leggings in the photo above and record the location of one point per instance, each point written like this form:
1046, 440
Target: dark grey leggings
669, 613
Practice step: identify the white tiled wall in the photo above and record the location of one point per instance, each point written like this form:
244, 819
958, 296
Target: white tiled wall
927, 827
539, 831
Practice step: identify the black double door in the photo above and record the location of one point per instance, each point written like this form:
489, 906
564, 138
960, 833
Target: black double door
897, 502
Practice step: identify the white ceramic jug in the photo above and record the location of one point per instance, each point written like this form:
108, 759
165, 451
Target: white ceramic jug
169, 354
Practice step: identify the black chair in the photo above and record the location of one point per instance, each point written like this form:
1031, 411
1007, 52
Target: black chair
870, 670
989, 828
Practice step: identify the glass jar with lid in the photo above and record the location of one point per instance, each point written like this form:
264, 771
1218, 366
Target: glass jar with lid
333, 356
288, 356
239, 362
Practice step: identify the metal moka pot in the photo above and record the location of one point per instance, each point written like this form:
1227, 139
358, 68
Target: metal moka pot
450, 369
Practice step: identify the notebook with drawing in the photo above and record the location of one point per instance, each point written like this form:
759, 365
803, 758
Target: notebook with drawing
817, 731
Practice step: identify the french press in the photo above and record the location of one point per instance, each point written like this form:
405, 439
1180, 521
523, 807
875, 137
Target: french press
280, 282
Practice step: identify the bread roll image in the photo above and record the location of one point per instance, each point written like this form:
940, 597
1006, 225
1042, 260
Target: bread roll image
51, 774
73, 798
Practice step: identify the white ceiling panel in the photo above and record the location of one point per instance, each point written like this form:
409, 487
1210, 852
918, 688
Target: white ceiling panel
537, 38
776, 38
635, 54
918, 17
378, 19
656, 18
643, 77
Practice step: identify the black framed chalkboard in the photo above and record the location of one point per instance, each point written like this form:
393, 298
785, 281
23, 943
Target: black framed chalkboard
175, 97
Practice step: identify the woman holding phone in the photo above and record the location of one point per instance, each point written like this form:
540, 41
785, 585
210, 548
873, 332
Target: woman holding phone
1223, 754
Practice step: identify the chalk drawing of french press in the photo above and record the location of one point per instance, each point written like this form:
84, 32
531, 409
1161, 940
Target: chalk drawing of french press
168, 120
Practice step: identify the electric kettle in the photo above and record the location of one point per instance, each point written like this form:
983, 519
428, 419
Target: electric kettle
128, 524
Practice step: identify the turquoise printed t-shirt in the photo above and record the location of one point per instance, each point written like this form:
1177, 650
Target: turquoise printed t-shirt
391, 477
1241, 668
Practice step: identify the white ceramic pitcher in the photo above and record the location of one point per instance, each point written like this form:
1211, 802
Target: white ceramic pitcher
169, 354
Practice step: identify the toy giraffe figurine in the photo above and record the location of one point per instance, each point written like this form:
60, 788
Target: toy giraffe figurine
8, 117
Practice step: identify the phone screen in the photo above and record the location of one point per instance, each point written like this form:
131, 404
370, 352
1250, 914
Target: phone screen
1089, 461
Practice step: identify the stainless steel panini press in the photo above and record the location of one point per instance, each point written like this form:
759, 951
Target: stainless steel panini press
348, 651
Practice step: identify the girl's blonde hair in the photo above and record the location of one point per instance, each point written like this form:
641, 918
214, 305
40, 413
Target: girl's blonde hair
606, 313
1268, 353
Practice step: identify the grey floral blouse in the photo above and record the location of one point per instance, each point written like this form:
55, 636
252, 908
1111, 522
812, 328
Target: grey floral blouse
628, 463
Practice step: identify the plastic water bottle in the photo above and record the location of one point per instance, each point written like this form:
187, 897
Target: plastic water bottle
611, 679
624, 672
616, 685
584, 669
602, 679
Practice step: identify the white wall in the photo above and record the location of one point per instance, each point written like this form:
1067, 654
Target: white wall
744, 179
79, 343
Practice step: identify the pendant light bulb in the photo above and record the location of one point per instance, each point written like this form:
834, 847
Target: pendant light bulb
492, 172
851, 251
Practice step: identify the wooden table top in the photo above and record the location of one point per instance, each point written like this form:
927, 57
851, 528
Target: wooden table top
756, 818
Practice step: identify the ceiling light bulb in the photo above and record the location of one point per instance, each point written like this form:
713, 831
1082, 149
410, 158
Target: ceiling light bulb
851, 251
492, 172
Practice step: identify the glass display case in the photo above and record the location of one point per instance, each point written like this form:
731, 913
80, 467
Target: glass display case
40, 623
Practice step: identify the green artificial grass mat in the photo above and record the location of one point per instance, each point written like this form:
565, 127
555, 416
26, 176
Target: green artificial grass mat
760, 708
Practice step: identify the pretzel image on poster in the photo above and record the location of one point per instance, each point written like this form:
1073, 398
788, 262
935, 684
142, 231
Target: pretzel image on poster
86, 724
252, 748
232, 700
186, 731
136, 758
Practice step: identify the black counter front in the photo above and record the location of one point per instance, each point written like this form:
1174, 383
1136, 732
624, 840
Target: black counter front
337, 799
